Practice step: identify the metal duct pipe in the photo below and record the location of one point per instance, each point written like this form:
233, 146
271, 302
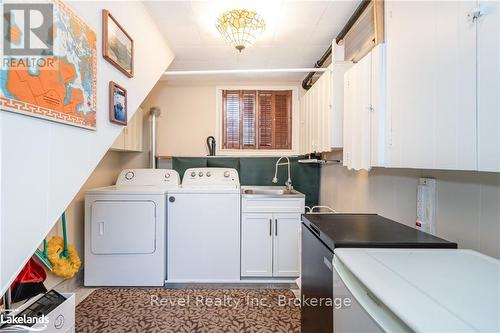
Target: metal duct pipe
306, 83
354, 17
154, 113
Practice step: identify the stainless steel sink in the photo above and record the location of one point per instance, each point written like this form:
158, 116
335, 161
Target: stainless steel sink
269, 191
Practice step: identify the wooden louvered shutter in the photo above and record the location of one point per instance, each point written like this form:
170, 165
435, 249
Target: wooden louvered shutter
282, 120
265, 120
275, 120
231, 119
248, 98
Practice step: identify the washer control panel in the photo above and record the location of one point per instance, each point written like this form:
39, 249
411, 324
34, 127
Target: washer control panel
215, 177
148, 177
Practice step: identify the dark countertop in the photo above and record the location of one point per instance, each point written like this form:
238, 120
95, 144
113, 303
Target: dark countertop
369, 231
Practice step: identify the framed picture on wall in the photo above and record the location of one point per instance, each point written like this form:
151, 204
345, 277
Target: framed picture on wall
117, 104
117, 45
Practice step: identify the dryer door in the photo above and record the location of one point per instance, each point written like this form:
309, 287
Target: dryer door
123, 227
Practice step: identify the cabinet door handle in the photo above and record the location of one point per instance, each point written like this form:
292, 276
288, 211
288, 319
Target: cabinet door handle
314, 229
270, 227
276, 227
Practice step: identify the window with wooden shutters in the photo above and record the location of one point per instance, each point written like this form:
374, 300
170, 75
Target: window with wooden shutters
257, 119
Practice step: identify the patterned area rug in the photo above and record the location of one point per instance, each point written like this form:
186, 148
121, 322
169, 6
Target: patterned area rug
188, 310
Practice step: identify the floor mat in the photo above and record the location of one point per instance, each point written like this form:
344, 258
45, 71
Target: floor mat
188, 310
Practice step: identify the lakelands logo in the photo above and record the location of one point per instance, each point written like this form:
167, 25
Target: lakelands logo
28, 29
23, 323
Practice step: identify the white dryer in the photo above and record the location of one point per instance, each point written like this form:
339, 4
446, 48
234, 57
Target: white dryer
125, 229
204, 227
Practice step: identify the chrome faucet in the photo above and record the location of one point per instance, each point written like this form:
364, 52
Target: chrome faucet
288, 182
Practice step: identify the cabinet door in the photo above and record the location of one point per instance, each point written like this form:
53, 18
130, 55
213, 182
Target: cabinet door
337, 103
347, 121
302, 136
357, 115
134, 129
119, 143
305, 105
286, 245
323, 111
489, 86
431, 64
378, 106
256, 245
313, 117
139, 129
130, 135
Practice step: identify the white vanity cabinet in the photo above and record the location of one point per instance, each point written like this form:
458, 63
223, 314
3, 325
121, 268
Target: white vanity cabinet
270, 237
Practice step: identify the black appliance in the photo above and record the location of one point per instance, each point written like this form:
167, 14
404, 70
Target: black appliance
322, 233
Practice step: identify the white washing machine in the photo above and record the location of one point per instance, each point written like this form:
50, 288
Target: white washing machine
125, 229
204, 227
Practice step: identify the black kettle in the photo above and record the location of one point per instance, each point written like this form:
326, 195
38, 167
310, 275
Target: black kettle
211, 146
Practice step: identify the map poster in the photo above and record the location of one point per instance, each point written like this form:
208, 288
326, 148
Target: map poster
56, 83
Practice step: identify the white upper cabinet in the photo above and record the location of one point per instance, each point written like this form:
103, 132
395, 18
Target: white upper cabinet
431, 84
130, 139
322, 108
315, 110
364, 111
488, 66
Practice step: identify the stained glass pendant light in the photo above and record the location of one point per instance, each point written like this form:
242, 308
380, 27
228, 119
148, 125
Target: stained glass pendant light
240, 27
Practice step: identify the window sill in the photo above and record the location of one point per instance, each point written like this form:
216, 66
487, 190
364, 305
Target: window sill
255, 152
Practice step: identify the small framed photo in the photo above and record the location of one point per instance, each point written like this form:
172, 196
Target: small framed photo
117, 45
117, 104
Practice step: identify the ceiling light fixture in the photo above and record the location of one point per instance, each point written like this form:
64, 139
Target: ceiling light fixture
240, 27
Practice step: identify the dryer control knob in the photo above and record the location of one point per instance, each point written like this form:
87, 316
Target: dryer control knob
193, 174
209, 173
200, 174
167, 175
226, 174
129, 175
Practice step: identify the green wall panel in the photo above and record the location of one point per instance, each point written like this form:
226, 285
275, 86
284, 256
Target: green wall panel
260, 171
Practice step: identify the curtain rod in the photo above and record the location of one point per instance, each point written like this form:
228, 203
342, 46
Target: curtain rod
244, 71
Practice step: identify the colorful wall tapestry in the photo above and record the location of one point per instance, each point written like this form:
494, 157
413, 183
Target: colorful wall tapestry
58, 83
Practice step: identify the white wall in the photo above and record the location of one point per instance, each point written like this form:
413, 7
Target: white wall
189, 114
44, 164
468, 203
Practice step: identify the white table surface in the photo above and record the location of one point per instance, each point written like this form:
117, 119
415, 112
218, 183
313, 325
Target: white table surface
431, 290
